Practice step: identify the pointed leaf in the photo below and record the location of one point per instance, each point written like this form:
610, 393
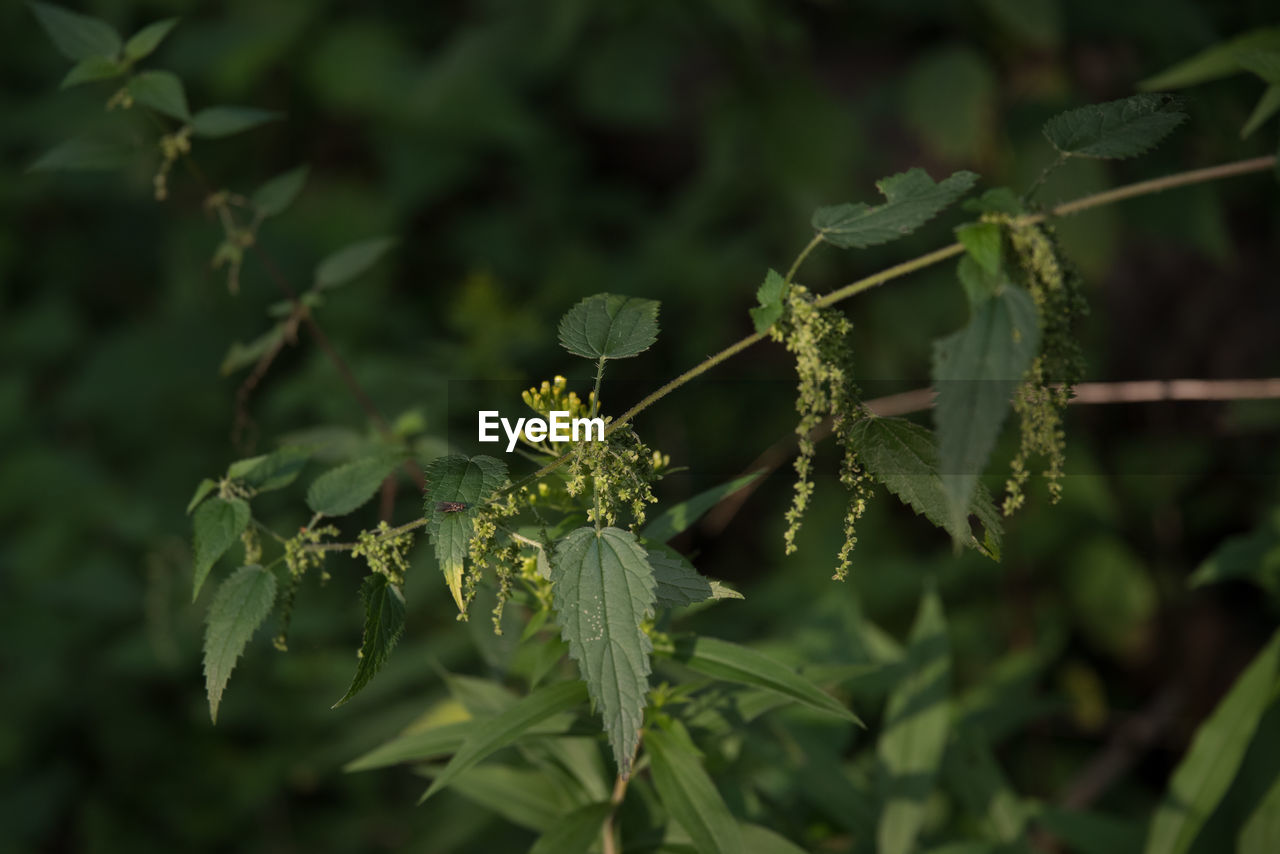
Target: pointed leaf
1215, 754
202, 491
215, 122
1268, 105
1255, 556
161, 91
218, 524
678, 583
84, 154
1221, 60
911, 745
689, 794
451, 481
505, 727
976, 372
272, 471
770, 297
243, 355
341, 490
1261, 832
1117, 129
350, 261
603, 589
241, 604
415, 747
524, 797
609, 326
574, 833
91, 69
912, 199
142, 43
275, 196
680, 516
77, 36
383, 624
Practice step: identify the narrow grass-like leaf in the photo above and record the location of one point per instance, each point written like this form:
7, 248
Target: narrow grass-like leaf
976, 372
1215, 754
241, 604
274, 197
603, 591
85, 154
911, 745
1268, 105
416, 747
912, 199
762, 840
218, 524
689, 794
733, 663
522, 796
1221, 60
144, 42
216, 122
609, 326
770, 298
77, 36
505, 727
92, 69
383, 624
574, 833
451, 481
1117, 129
679, 517
350, 261
161, 91
1261, 832
341, 490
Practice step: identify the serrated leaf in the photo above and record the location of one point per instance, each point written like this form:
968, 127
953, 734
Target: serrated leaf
911, 745
505, 727
216, 122
679, 517
982, 241
574, 833
142, 43
733, 663
218, 524
677, 582
242, 602
1215, 754
161, 91
603, 591
383, 624
77, 36
202, 492
341, 490
274, 197
350, 261
457, 480
1221, 60
272, 471
689, 794
609, 326
1268, 105
975, 372
770, 297
912, 199
83, 154
902, 455
91, 69
1117, 129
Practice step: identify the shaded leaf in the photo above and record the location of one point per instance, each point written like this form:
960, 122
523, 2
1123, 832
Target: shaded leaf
912, 199
215, 122
982, 242
1221, 60
77, 36
202, 491
1117, 129
142, 43
272, 471
161, 91
243, 355
609, 326
574, 833
762, 840
275, 196
84, 154
1261, 832
341, 490
1090, 832
457, 480
979, 285
91, 69
218, 524
689, 794
522, 796
415, 747
350, 261
677, 582
1268, 105
241, 604
770, 297
383, 624
680, 516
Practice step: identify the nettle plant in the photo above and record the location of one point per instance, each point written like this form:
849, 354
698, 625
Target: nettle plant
579, 547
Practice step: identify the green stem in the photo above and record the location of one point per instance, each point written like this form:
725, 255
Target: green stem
795, 265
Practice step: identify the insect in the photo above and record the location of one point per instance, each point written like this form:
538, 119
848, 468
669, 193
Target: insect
451, 506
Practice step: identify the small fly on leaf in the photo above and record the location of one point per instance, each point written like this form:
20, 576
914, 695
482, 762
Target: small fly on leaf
451, 506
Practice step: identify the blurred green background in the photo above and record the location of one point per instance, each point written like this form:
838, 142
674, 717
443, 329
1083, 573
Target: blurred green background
527, 155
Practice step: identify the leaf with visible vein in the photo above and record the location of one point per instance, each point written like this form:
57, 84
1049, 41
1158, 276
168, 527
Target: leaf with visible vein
218, 524
689, 794
345, 488
603, 590
1117, 129
609, 326
241, 604
383, 624
459, 480
680, 516
912, 199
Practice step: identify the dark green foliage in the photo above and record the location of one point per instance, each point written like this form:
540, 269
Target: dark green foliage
1117, 129
911, 199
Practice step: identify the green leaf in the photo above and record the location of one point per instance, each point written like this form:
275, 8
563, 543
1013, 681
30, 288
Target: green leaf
678, 583
459, 480
215, 122
912, 199
1254, 556
1261, 832
979, 285
902, 455
680, 516
1210, 764
762, 840
1117, 129
142, 43
341, 490
161, 91
996, 200
522, 796
1268, 105
603, 591
975, 372
689, 794
92, 69
274, 197
77, 36
982, 242
770, 297
243, 355
730, 662
609, 326
415, 747
505, 727
574, 833
350, 261
202, 491
1221, 60
272, 471
218, 524
1091, 833
1264, 63
241, 604
911, 745
84, 154
383, 624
